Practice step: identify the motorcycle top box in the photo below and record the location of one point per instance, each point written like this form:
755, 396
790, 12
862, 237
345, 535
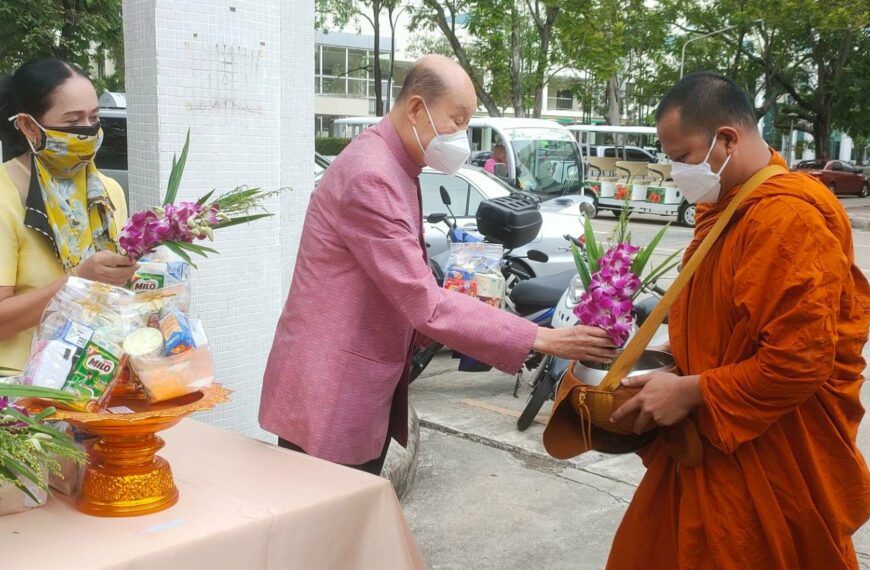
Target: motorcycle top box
512, 221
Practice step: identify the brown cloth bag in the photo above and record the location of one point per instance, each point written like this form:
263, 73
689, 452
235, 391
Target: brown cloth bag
580, 420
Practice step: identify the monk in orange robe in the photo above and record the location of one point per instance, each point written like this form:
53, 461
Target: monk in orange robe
768, 338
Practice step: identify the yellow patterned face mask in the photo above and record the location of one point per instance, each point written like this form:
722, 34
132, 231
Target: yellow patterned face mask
67, 202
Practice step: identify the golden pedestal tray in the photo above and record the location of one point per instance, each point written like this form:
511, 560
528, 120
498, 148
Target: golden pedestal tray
127, 478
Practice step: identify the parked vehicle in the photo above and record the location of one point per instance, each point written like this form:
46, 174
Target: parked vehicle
471, 186
542, 156
321, 163
611, 181
499, 221
838, 175
632, 153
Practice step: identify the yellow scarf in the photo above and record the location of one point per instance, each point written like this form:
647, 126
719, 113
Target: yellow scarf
71, 205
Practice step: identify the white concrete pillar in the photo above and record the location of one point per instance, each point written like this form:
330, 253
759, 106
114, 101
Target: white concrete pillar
238, 74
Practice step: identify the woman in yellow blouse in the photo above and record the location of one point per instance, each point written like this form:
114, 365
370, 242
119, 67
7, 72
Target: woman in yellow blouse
58, 215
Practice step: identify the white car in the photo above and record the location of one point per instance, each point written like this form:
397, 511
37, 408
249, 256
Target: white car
472, 185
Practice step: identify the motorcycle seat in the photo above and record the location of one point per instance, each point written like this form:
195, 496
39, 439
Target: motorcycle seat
540, 293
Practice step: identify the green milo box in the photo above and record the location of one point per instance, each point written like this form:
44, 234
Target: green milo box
146, 282
92, 375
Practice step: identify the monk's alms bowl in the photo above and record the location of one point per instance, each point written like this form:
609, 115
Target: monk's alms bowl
600, 405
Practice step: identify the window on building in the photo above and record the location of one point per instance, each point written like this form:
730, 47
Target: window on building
358, 65
564, 100
334, 61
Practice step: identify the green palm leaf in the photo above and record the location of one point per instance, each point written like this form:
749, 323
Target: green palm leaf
176, 172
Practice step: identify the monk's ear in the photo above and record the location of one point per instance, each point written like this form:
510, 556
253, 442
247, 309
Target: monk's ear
731, 136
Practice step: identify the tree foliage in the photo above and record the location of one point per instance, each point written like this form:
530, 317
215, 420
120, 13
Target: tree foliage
79, 31
806, 50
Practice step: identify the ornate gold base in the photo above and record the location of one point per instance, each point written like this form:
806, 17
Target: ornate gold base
128, 479
125, 478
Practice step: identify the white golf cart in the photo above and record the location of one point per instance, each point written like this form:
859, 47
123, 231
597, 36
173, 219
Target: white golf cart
613, 180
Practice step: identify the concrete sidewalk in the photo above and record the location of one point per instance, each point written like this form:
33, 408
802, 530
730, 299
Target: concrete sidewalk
859, 212
488, 496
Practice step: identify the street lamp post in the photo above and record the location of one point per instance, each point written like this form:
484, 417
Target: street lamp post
685, 45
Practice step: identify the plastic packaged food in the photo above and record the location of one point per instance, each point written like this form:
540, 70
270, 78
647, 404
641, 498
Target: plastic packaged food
78, 345
177, 337
159, 270
94, 373
168, 377
146, 341
474, 269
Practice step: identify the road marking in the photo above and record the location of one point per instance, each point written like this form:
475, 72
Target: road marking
541, 418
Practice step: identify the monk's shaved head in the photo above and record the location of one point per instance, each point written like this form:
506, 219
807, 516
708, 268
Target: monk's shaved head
432, 77
706, 101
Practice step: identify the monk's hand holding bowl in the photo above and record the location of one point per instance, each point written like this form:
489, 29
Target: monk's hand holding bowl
664, 399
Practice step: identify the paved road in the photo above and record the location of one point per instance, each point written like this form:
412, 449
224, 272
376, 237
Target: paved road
488, 496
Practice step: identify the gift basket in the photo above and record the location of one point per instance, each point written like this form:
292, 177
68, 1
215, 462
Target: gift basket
93, 336
119, 364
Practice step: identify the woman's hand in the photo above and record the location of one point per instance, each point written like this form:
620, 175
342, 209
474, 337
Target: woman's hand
576, 343
107, 267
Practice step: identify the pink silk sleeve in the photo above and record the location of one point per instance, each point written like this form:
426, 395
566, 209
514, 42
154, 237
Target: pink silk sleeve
380, 233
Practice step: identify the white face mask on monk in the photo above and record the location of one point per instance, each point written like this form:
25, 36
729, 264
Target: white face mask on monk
698, 183
445, 153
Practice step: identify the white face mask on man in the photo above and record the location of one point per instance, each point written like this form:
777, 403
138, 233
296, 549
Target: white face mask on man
445, 153
698, 182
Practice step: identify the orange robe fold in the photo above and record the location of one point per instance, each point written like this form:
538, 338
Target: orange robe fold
774, 321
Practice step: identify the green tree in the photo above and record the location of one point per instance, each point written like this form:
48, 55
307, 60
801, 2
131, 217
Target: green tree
79, 31
509, 48
800, 48
338, 13
852, 94
621, 44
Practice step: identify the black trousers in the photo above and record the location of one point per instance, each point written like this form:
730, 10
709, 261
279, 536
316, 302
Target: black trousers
374, 466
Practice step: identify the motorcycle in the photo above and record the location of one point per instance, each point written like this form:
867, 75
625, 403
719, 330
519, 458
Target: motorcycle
425, 348
549, 373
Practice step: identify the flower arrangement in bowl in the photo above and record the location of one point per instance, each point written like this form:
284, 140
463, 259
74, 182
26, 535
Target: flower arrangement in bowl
29, 448
178, 225
613, 276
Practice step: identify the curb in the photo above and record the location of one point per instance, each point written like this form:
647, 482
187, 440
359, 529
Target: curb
860, 223
521, 453
400, 466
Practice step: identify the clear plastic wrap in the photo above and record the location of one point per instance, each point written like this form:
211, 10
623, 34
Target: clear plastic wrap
474, 269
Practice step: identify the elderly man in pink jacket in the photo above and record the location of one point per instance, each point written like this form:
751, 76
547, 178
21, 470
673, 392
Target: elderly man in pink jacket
336, 382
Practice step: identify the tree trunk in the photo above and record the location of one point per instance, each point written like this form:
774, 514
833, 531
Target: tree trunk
392, 57
614, 115
517, 63
822, 135
379, 88
70, 12
545, 29
440, 19
735, 65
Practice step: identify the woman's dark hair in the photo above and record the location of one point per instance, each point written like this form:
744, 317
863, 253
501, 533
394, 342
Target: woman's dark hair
30, 90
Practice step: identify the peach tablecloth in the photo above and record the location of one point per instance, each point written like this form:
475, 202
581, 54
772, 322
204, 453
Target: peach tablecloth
244, 505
